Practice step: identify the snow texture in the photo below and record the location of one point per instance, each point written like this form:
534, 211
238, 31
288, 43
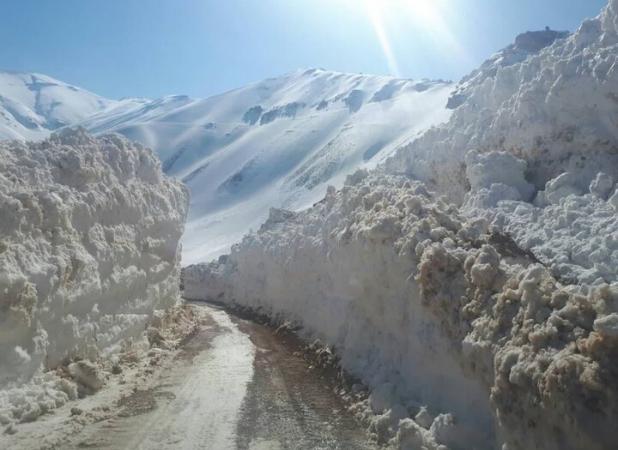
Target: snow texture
556, 109
572, 231
89, 233
431, 309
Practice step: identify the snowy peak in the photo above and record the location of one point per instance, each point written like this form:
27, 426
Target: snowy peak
32, 105
320, 90
525, 45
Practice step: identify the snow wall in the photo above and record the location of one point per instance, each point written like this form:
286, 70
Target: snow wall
494, 300
429, 308
557, 109
89, 248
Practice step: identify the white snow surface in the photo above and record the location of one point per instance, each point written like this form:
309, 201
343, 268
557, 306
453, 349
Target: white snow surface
89, 249
572, 231
556, 109
32, 105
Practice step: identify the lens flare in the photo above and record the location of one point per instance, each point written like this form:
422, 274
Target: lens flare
426, 16
374, 10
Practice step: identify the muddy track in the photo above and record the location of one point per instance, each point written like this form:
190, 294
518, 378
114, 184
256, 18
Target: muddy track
290, 404
235, 384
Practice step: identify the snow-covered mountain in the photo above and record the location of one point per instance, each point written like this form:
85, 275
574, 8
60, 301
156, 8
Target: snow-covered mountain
32, 105
275, 143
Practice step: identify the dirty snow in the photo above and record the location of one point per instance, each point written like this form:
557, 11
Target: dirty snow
89, 232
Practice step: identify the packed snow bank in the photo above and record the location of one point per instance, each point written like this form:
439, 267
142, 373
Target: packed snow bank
555, 108
89, 232
572, 231
345, 270
430, 309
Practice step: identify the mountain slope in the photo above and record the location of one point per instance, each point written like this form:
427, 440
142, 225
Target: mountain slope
275, 143
32, 105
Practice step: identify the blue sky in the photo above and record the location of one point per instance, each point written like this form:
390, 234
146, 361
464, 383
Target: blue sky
151, 48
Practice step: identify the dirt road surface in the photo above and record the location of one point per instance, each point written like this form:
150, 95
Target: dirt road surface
234, 385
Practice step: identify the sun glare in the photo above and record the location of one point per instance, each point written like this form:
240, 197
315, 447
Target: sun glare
425, 11
426, 16
375, 12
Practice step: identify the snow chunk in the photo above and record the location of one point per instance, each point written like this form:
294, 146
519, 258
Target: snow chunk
411, 436
382, 397
607, 326
424, 418
86, 374
484, 170
562, 186
602, 185
614, 200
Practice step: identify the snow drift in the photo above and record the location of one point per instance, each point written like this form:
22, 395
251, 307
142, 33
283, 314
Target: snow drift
89, 232
494, 300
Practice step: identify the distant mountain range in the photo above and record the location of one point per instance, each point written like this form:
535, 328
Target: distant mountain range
274, 143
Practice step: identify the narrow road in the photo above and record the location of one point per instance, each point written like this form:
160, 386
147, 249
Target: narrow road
237, 385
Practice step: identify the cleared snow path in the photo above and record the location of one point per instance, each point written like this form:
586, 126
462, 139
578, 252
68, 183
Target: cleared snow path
236, 385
